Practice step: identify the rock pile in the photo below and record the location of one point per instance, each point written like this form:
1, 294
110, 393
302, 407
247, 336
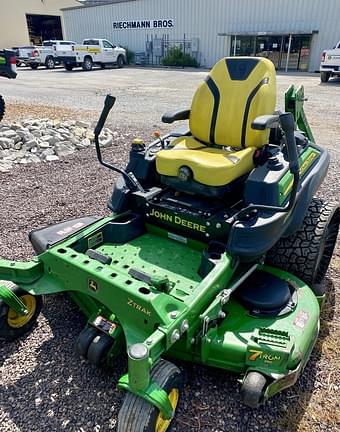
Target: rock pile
34, 141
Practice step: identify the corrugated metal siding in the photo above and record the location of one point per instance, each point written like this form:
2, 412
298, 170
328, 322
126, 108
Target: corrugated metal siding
206, 18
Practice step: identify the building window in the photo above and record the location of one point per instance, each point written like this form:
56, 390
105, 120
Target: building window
275, 48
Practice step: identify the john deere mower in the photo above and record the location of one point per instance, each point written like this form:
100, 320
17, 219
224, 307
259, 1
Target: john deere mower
214, 253
7, 70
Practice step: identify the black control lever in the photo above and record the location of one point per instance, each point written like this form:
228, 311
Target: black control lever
131, 180
288, 126
108, 105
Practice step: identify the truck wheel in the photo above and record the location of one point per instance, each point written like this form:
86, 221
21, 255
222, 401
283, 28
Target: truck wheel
87, 64
2, 107
49, 63
34, 66
325, 76
308, 252
12, 325
137, 415
68, 66
120, 62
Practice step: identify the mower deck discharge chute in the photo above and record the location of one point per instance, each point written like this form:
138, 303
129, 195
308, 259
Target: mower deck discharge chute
193, 264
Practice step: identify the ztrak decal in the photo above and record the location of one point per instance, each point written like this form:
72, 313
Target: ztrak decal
265, 357
138, 307
177, 220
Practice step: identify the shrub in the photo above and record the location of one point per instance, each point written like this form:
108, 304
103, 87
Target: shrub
130, 56
176, 57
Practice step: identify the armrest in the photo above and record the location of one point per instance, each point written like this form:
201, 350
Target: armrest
171, 117
266, 122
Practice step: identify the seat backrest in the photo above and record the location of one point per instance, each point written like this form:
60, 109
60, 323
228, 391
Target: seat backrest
236, 91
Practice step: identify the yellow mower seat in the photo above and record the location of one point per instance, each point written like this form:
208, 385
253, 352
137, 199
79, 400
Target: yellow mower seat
221, 148
210, 166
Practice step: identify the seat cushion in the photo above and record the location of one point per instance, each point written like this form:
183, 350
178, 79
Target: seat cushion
209, 166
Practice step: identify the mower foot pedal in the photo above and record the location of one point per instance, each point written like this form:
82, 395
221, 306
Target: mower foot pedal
141, 276
98, 256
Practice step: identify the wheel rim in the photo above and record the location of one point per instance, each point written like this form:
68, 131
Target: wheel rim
16, 321
50, 64
162, 424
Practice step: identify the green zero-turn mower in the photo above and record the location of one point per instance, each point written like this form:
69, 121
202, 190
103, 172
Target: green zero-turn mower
215, 251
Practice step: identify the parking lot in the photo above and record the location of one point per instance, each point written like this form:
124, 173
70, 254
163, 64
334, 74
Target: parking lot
44, 386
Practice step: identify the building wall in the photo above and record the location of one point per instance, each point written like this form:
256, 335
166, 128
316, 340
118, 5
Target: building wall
206, 18
13, 25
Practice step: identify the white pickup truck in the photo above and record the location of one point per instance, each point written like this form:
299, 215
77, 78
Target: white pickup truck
93, 51
330, 63
46, 55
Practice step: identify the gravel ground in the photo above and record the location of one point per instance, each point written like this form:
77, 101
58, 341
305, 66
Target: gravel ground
44, 386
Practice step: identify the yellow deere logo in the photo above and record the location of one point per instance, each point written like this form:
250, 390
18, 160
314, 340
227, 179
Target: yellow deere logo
93, 285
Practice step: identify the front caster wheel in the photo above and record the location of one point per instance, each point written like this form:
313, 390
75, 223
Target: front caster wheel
137, 415
12, 325
99, 348
253, 388
84, 340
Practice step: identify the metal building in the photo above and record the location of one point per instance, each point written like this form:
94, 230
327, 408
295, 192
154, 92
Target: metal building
292, 33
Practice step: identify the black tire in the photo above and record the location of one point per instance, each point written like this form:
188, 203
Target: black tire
308, 252
120, 62
13, 326
87, 64
85, 339
325, 76
50, 63
34, 66
137, 415
253, 388
99, 348
68, 67
2, 107
103, 65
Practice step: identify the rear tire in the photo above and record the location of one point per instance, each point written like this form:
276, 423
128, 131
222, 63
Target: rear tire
308, 252
2, 107
50, 63
137, 415
325, 76
253, 388
87, 64
12, 325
